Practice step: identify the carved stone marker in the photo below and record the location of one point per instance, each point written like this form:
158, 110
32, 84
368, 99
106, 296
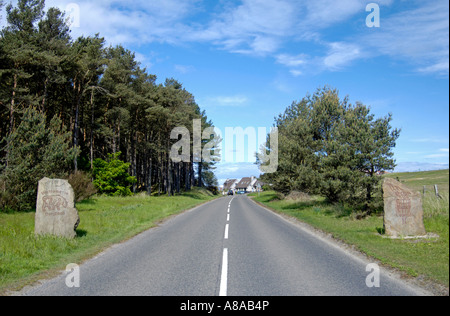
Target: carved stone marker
55, 210
403, 212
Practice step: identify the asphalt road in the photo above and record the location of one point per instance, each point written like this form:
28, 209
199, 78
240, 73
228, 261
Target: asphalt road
228, 247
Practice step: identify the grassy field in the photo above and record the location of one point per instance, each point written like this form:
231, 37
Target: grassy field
104, 221
417, 180
426, 258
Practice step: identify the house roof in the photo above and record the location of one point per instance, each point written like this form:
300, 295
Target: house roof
244, 183
227, 185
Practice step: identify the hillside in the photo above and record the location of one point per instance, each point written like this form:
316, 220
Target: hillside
417, 180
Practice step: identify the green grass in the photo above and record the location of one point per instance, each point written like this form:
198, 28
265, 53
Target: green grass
105, 221
429, 258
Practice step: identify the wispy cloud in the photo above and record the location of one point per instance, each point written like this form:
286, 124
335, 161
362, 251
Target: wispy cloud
436, 140
340, 55
254, 27
228, 101
442, 153
418, 34
131, 22
182, 69
420, 166
236, 171
436, 156
291, 61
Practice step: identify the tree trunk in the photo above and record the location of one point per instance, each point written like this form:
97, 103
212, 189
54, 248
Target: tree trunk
91, 138
187, 177
12, 109
200, 170
45, 95
149, 177
134, 159
76, 126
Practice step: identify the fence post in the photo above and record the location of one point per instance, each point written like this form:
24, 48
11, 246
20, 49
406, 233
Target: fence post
437, 192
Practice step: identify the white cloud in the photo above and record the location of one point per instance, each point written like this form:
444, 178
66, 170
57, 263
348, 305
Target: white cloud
442, 153
291, 61
125, 22
436, 140
229, 101
184, 69
254, 27
419, 35
436, 156
236, 171
419, 166
296, 73
323, 13
340, 55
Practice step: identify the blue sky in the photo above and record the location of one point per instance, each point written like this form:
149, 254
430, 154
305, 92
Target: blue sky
246, 61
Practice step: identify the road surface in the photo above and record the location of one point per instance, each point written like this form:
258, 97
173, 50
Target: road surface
228, 247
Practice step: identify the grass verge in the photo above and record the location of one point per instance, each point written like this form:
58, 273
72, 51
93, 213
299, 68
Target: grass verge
427, 259
105, 221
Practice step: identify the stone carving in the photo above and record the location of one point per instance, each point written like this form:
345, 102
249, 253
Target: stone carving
55, 210
403, 212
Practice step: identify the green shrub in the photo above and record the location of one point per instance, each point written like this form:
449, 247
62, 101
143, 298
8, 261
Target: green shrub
82, 185
111, 176
213, 189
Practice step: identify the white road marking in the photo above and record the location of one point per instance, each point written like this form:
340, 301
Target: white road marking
226, 231
224, 277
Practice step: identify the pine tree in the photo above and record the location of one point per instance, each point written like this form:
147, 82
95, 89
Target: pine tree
332, 148
35, 150
373, 140
101, 96
21, 49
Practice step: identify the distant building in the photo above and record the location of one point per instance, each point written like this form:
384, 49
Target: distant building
230, 185
247, 185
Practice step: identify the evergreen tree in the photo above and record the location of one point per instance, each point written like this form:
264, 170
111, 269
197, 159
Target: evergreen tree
374, 140
54, 43
35, 150
101, 96
1, 8
332, 148
19, 41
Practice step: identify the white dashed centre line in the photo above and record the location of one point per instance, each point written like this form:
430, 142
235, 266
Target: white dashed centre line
224, 276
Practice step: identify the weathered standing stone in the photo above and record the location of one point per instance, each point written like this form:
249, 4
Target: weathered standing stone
55, 210
403, 211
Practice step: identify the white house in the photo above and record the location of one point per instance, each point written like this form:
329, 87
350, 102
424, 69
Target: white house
247, 185
230, 185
